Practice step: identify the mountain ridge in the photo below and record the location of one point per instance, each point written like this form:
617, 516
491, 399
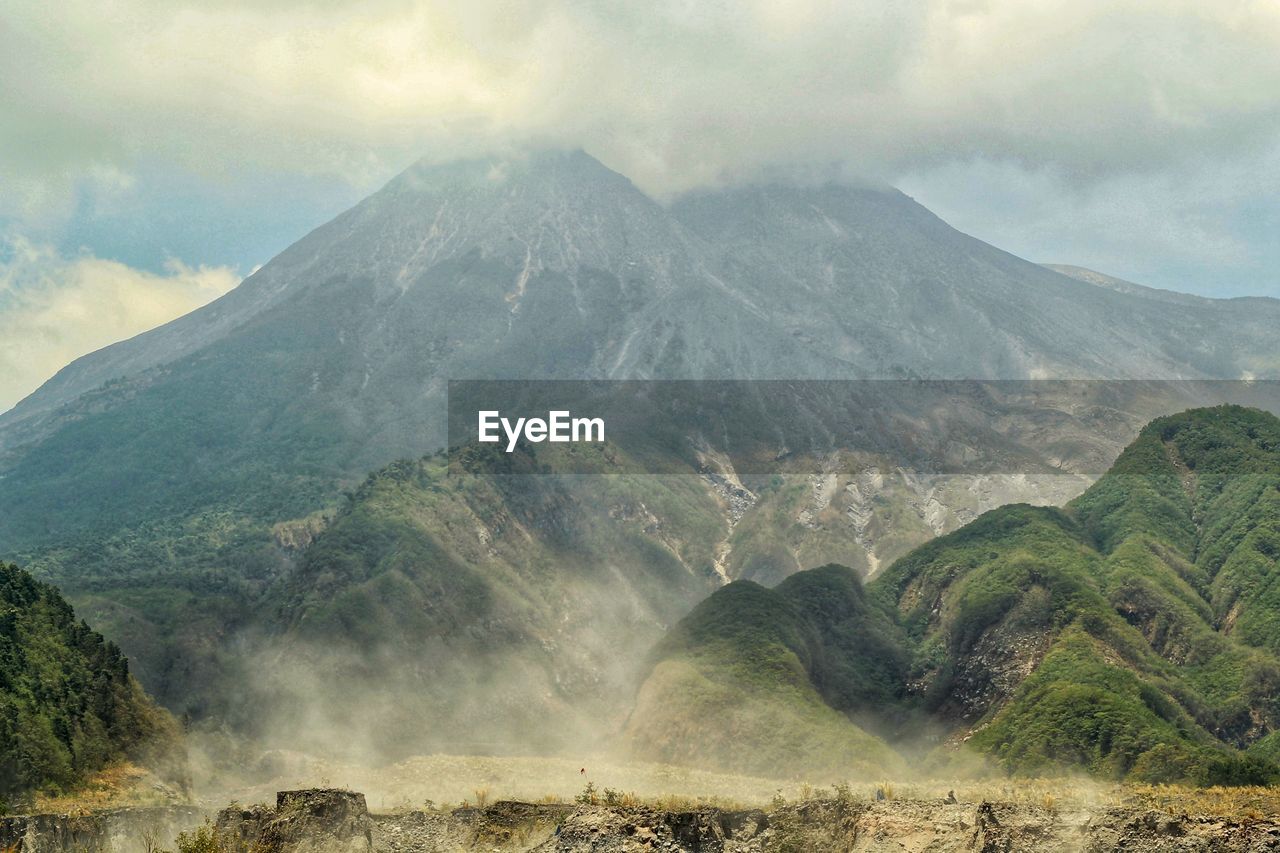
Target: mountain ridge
1130, 634
260, 288
331, 360
200, 441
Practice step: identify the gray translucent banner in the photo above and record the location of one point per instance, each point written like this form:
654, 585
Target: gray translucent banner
769, 427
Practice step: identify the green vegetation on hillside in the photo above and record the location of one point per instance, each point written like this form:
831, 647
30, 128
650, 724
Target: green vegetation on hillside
474, 608
1099, 636
68, 706
762, 680
1131, 634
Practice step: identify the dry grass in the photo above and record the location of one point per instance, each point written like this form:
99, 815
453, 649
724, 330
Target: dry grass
1223, 802
1082, 794
444, 781
441, 782
116, 787
448, 780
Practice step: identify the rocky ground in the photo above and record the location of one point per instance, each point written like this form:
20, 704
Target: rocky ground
122, 830
335, 821
904, 826
816, 825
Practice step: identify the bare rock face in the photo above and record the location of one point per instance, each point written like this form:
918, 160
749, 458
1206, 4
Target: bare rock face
1158, 832
599, 828
112, 831
318, 820
847, 825
334, 821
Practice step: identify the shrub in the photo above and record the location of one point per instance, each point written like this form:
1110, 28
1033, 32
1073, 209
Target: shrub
1240, 771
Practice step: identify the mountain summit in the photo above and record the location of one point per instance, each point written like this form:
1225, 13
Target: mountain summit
332, 358
203, 455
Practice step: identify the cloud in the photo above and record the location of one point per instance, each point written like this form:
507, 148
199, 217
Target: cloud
54, 309
1069, 126
675, 94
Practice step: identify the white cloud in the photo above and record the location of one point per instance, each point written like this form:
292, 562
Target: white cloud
671, 92
1085, 130
54, 309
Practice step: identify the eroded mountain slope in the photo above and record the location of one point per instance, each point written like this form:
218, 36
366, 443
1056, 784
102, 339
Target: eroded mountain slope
1127, 634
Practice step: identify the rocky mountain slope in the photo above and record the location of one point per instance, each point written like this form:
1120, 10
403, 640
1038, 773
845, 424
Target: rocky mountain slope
466, 613
208, 457
1131, 633
335, 820
331, 359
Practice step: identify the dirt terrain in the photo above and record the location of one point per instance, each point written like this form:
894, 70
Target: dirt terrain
337, 821
333, 821
822, 825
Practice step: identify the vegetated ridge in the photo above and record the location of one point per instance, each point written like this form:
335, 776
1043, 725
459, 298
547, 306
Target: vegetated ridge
68, 706
1134, 633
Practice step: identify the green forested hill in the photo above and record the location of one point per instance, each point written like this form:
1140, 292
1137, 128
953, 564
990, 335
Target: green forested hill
186, 446
443, 610
1206, 483
1131, 633
763, 680
68, 706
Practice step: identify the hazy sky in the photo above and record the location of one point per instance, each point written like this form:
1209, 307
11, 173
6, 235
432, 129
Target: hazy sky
154, 151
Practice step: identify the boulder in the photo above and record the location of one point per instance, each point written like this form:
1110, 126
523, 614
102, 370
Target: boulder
316, 820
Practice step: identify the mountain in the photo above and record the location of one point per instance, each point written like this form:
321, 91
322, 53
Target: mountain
900, 293
763, 681
68, 706
1252, 315
1132, 633
1123, 614
501, 613
1123, 286
176, 484
331, 360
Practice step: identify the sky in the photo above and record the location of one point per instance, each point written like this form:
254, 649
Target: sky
154, 152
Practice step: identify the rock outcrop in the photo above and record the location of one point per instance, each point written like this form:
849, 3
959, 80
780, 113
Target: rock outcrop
332, 821
125, 830
849, 825
316, 820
